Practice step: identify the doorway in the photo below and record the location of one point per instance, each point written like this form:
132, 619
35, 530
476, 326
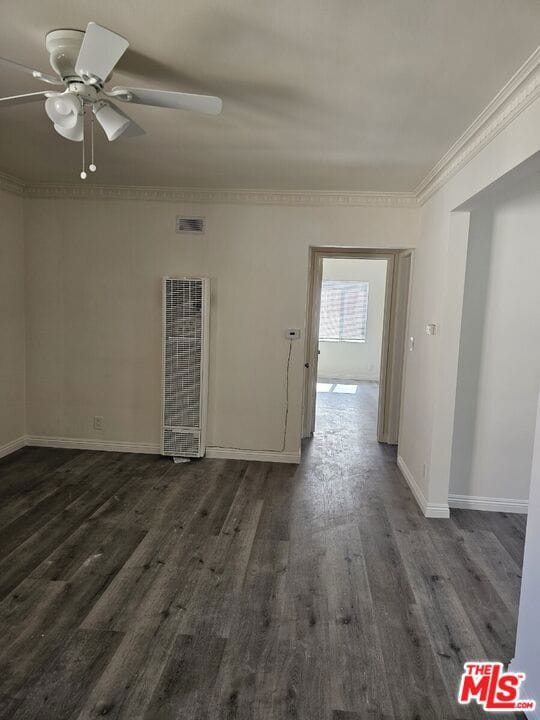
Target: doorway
356, 332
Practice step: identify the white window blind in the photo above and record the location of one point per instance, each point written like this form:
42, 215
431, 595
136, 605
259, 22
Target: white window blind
344, 308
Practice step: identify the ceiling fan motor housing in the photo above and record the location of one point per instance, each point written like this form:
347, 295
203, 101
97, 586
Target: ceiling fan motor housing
63, 47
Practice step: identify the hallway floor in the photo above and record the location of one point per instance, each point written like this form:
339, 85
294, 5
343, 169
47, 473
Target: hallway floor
135, 588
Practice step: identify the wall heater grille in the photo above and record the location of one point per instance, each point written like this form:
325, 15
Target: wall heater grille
185, 365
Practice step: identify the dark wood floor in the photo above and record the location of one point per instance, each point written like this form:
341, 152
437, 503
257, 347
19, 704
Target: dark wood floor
134, 588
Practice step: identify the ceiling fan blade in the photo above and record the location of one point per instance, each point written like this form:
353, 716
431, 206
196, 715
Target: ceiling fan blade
101, 49
22, 99
12, 65
175, 100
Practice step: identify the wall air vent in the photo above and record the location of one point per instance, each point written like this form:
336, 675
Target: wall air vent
189, 225
185, 366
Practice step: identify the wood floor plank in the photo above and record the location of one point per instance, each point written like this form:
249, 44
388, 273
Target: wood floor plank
388, 578
159, 579
98, 545
221, 577
493, 623
68, 472
501, 569
99, 488
359, 681
29, 468
62, 686
508, 530
138, 589
307, 594
126, 686
188, 678
164, 498
258, 668
450, 631
22, 613
415, 685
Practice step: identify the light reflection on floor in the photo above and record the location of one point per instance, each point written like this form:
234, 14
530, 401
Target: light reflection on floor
340, 388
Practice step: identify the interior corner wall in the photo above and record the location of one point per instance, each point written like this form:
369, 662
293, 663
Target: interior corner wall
426, 433
12, 322
94, 271
356, 360
499, 366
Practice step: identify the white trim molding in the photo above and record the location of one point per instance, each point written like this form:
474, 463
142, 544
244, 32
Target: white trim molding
149, 448
520, 91
12, 446
11, 184
300, 198
430, 510
256, 455
89, 444
493, 504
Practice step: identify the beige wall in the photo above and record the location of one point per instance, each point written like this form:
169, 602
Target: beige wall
94, 310
426, 432
353, 360
499, 364
12, 330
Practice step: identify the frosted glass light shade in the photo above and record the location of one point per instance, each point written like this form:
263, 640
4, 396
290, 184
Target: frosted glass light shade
112, 122
64, 110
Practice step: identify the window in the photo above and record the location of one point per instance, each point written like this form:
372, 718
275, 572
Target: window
344, 307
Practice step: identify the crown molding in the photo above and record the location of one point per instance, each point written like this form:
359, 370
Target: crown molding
11, 184
235, 197
520, 91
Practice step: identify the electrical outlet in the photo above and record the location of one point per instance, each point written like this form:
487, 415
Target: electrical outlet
98, 422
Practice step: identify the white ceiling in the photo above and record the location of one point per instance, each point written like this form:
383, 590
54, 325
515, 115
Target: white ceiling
318, 95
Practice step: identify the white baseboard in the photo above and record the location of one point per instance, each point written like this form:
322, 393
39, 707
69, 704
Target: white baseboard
12, 446
430, 510
493, 504
155, 449
257, 455
86, 444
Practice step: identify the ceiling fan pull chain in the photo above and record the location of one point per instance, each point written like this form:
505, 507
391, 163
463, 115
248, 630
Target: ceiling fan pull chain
92, 166
83, 171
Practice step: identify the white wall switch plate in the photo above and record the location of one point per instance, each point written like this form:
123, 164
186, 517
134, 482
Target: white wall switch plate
98, 422
292, 334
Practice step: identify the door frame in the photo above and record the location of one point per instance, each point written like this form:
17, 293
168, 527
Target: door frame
316, 256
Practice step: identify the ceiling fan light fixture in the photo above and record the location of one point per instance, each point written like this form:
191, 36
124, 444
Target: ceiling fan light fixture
64, 110
84, 62
113, 122
74, 133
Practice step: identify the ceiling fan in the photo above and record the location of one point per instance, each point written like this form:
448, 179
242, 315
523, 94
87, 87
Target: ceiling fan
83, 63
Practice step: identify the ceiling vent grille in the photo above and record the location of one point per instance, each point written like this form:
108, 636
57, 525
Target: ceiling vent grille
190, 225
185, 365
